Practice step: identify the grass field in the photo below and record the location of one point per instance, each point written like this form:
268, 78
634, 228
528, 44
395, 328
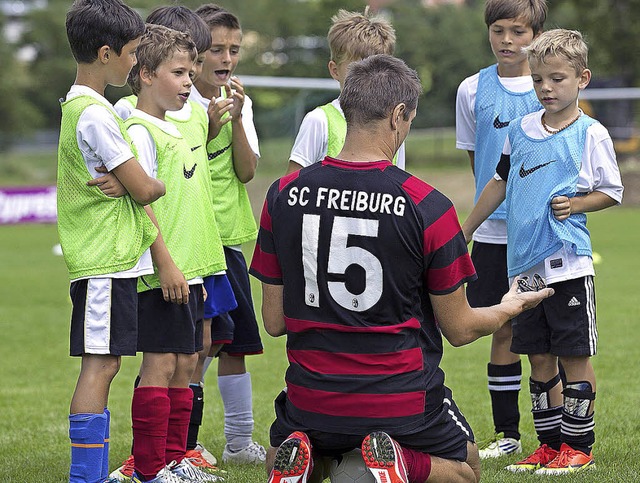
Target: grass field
38, 377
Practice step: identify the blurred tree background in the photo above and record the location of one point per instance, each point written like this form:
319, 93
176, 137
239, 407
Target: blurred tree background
443, 43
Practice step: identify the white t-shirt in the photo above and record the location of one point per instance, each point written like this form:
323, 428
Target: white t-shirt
247, 117
312, 141
491, 231
101, 144
599, 172
147, 153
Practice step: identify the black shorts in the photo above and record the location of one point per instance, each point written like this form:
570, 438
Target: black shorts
490, 260
246, 335
562, 325
445, 434
104, 318
166, 327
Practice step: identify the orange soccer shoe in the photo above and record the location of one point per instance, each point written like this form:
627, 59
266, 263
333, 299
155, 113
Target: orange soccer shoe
539, 458
293, 463
568, 461
383, 456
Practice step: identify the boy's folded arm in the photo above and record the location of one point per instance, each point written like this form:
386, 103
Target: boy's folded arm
143, 188
492, 195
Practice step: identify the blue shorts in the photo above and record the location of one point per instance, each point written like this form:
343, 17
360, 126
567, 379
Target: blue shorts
220, 298
562, 325
445, 433
490, 260
246, 335
104, 318
165, 327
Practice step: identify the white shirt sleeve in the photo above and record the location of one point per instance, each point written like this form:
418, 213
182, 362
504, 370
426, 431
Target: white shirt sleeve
600, 171
465, 113
311, 142
100, 140
146, 147
124, 108
249, 127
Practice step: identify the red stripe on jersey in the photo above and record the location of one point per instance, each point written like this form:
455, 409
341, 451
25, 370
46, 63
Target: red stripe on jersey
266, 264
299, 325
323, 362
357, 405
442, 279
441, 231
416, 189
265, 217
285, 180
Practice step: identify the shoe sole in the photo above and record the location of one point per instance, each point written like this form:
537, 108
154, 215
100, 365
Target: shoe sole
291, 463
379, 457
568, 471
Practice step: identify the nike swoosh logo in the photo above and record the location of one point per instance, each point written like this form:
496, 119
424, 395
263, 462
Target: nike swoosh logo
188, 173
526, 172
498, 124
217, 153
196, 147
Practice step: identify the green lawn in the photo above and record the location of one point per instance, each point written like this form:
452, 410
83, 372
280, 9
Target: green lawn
39, 377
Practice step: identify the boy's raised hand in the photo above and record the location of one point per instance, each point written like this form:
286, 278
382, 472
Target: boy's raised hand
109, 184
216, 110
235, 90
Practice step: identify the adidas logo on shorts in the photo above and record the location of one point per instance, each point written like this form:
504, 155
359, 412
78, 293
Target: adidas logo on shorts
574, 302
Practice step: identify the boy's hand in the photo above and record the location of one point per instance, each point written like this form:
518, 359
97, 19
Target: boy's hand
561, 206
235, 90
217, 108
175, 288
109, 184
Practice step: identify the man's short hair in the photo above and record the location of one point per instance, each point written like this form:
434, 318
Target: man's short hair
374, 86
159, 44
183, 19
533, 12
566, 44
92, 24
216, 16
355, 36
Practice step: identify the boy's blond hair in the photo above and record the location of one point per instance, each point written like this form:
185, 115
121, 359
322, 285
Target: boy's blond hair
157, 45
533, 12
355, 36
567, 44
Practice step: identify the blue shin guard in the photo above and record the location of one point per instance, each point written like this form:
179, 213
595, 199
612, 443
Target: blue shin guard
87, 434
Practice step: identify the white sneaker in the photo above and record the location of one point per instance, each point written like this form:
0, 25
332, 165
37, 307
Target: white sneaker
499, 446
209, 458
187, 471
253, 454
164, 476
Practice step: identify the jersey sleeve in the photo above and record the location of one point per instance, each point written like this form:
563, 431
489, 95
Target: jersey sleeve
446, 260
100, 138
310, 145
600, 171
465, 114
265, 265
146, 148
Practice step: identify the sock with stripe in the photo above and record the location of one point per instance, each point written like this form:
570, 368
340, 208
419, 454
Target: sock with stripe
181, 399
546, 420
577, 423
86, 432
504, 388
196, 415
105, 452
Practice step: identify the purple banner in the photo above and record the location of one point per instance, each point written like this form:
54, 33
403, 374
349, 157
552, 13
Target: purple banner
28, 204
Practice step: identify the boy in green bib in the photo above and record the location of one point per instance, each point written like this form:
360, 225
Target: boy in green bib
104, 231
188, 248
353, 36
233, 156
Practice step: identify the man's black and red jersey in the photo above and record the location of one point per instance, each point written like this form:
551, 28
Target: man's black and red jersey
359, 247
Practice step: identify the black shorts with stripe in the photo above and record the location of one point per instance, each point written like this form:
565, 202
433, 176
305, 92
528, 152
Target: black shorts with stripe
562, 325
165, 327
104, 318
445, 432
